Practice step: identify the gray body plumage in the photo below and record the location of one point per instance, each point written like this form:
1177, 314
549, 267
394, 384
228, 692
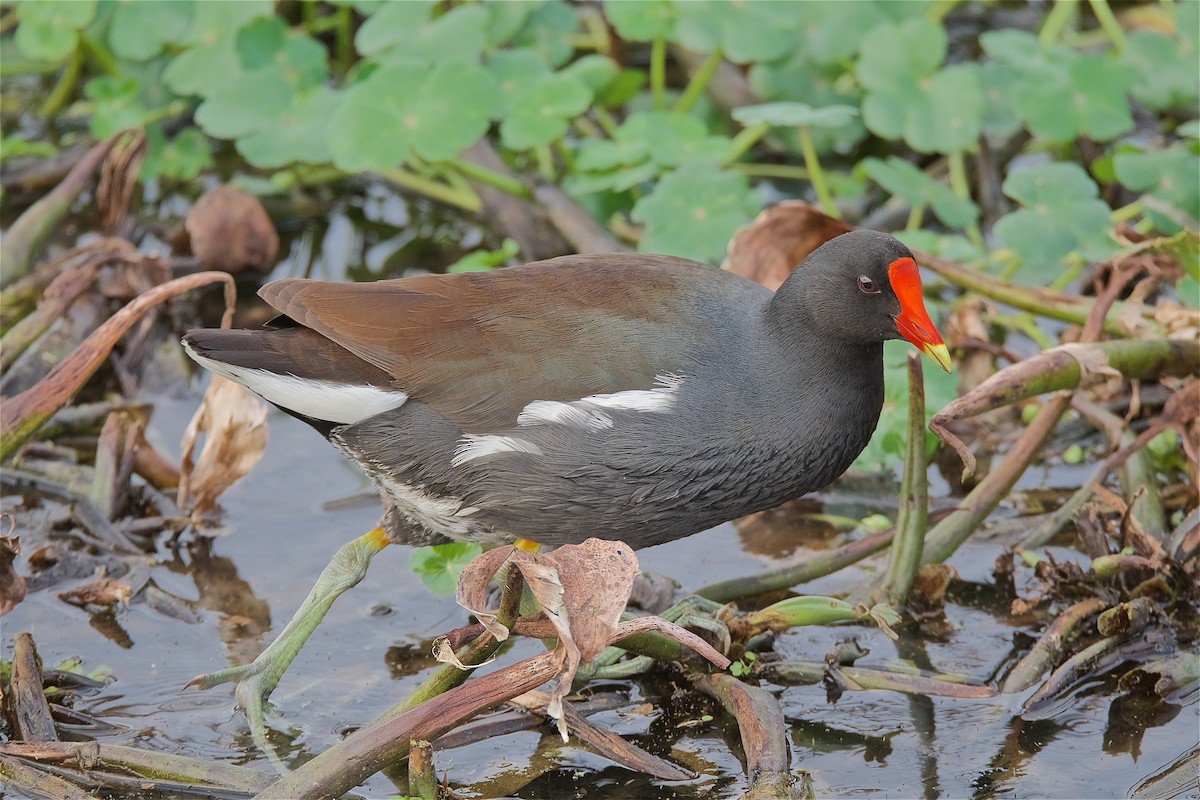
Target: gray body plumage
640, 398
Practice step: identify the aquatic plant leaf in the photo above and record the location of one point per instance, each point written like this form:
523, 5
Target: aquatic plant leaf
643, 21
244, 106
404, 32
540, 113
1061, 214
746, 30
115, 105
438, 566
515, 71
210, 59
790, 113
933, 111
798, 78
300, 134
49, 30
1062, 94
1166, 175
1168, 74
693, 212
139, 31
406, 108
918, 189
548, 31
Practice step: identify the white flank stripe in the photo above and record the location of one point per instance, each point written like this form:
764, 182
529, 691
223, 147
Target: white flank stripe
472, 446
577, 414
341, 403
659, 399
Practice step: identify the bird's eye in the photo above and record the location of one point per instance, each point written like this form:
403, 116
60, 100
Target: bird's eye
867, 286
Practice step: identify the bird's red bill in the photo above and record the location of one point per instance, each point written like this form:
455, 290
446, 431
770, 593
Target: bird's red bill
913, 320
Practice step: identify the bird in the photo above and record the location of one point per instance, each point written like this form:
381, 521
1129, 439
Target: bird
629, 396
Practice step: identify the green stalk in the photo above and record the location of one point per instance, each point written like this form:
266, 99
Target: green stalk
936, 11
1058, 18
64, 86
496, 180
816, 175
958, 184
905, 557
605, 121
99, 54
1126, 213
343, 44
658, 72
468, 201
447, 676
789, 171
545, 162
816, 567
746, 138
915, 215
1108, 22
699, 82
1052, 305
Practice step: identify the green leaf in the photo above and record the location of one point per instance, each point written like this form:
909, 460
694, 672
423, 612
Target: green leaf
539, 114
439, 565
515, 71
797, 78
1169, 176
594, 71
115, 105
1061, 94
548, 31
300, 134
672, 139
211, 61
1061, 214
139, 31
403, 32
245, 106
918, 189
694, 211
181, 159
1168, 74
405, 108
259, 40
932, 111
16, 145
507, 18
785, 113
746, 30
484, 260
832, 31
47, 30
643, 21
1001, 84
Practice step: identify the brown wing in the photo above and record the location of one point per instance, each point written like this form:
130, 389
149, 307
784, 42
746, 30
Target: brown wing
478, 347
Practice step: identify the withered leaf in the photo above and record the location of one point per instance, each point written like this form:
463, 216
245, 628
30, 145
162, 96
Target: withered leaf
230, 231
234, 421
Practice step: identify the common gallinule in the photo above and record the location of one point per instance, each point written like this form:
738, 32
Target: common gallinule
634, 397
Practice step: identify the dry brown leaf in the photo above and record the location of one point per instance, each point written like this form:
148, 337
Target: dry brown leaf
234, 421
230, 231
100, 592
778, 240
473, 584
582, 588
12, 584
